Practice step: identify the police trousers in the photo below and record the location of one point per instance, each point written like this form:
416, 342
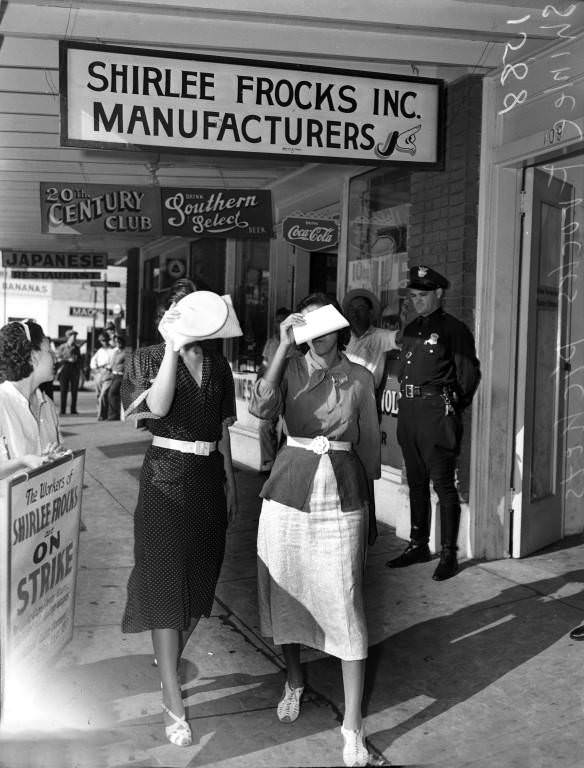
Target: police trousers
430, 442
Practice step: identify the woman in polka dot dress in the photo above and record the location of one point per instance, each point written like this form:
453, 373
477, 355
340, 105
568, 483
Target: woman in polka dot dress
185, 501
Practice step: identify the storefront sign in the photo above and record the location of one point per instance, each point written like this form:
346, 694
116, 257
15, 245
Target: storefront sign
39, 544
235, 213
391, 454
311, 234
42, 290
116, 96
50, 260
78, 209
85, 311
16, 274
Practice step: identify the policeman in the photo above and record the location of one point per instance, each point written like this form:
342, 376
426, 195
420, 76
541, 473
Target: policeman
438, 375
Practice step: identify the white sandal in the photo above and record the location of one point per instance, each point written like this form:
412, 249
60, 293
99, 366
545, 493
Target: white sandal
355, 753
178, 733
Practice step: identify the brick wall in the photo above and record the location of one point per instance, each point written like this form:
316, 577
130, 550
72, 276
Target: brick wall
443, 216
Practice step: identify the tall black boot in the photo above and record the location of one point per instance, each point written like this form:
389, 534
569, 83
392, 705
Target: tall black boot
449, 525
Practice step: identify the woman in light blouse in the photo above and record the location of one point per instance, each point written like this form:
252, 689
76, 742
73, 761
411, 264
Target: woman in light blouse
29, 427
312, 534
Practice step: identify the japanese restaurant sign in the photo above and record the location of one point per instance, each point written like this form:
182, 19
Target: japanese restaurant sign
311, 234
118, 96
50, 260
78, 209
234, 213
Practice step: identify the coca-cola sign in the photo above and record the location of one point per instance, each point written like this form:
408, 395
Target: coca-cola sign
311, 234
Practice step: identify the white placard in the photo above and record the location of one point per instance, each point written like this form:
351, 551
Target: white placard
318, 323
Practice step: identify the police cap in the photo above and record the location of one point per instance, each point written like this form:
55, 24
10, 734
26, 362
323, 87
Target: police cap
426, 279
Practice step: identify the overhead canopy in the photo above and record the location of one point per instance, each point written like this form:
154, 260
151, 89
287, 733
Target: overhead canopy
443, 39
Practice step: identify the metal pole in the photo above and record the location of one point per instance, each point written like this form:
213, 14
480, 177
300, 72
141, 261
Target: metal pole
104, 304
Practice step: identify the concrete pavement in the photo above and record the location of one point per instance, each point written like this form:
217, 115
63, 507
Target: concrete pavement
475, 671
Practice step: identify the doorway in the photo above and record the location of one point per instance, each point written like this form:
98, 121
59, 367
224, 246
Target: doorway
542, 365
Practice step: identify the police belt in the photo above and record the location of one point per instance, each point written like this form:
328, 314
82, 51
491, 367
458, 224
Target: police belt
411, 390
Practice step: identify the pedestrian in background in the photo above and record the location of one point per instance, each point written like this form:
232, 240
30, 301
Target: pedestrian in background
312, 535
101, 366
368, 346
439, 374
118, 362
69, 370
187, 496
29, 426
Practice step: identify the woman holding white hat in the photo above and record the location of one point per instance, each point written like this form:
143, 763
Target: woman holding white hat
187, 491
312, 535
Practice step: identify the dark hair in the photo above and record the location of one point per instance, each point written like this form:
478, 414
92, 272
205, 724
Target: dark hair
102, 336
283, 312
120, 338
179, 290
16, 348
321, 300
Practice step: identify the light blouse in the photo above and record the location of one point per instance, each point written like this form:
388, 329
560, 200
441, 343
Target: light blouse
20, 433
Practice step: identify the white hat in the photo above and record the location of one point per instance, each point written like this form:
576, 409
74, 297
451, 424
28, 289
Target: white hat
204, 315
363, 293
201, 313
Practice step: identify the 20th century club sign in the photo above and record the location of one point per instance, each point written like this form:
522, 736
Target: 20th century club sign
116, 96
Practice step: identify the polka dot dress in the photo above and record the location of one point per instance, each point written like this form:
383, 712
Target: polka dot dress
181, 517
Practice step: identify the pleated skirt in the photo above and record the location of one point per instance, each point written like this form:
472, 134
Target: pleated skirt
311, 568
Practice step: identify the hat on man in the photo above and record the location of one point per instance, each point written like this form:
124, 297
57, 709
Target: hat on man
362, 293
71, 332
426, 279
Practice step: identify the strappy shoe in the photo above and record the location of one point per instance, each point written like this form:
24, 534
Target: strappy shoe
355, 752
178, 733
289, 706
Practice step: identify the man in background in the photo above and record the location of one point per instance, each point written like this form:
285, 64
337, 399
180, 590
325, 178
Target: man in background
68, 370
369, 346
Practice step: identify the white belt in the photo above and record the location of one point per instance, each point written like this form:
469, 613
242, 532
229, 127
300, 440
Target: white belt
200, 447
319, 444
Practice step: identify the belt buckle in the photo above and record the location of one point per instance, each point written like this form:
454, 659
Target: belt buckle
409, 390
320, 444
201, 448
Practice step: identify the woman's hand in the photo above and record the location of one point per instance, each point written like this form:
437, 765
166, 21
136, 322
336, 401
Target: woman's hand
165, 326
232, 504
32, 461
286, 334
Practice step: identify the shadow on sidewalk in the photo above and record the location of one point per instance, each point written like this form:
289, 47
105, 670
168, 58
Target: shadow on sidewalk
450, 659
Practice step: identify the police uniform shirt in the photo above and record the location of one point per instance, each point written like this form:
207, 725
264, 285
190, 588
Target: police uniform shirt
438, 350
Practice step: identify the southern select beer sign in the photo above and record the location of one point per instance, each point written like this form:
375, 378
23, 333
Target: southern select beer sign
79, 209
311, 234
233, 213
113, 96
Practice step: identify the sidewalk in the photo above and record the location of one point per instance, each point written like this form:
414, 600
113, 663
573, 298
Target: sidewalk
475, 671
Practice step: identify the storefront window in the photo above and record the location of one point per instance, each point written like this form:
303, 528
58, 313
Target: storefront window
251, 302
377, 258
